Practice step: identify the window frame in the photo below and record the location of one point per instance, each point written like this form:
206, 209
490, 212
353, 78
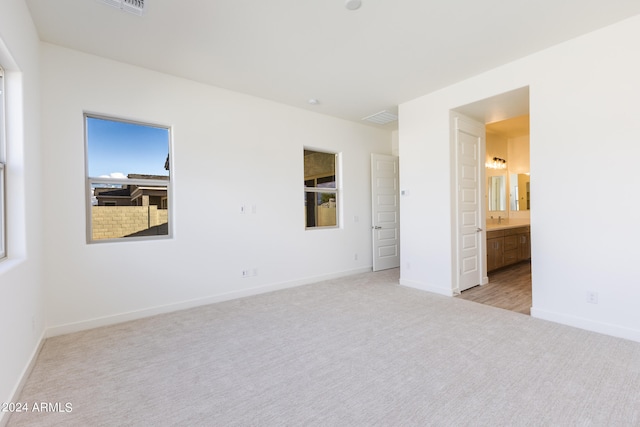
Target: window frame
317, 190
3, 171
90, 181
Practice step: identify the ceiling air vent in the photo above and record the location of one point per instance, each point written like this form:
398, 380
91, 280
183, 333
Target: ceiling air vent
381, 118
134, 6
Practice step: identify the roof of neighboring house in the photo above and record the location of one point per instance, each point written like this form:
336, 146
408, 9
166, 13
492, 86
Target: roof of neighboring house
143, 176
117, 192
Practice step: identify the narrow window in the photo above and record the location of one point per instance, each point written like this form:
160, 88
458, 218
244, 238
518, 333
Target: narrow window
320, 189
3, 167
128, 179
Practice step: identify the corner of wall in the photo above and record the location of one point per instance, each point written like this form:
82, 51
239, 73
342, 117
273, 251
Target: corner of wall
15, 394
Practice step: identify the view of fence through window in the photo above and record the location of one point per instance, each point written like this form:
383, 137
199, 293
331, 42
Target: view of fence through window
321, 189
128, 175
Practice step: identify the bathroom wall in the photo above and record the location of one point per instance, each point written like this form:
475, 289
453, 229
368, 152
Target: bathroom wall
518, 163
496, 146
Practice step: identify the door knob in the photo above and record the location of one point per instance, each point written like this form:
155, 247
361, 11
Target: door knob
478, 229
376, 227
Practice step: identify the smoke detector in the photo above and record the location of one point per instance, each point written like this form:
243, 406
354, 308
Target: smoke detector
352, 4
133, 6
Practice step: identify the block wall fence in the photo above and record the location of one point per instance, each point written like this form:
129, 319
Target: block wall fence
110, 222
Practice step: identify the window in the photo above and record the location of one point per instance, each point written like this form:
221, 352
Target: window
320, 189
3, 248
128, 179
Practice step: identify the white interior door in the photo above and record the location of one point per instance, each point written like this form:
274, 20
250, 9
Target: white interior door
469, 142
385, 204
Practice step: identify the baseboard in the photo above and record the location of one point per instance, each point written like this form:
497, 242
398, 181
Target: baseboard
587, 324
4, 416
152, 311
424, 287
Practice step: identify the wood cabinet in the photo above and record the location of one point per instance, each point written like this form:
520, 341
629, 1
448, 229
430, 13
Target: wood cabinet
524, 245
495, 249
507, 246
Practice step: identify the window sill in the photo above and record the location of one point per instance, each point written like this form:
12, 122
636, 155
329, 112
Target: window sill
8, 264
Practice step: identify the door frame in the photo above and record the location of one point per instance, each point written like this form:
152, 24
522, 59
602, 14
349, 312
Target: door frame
379, 226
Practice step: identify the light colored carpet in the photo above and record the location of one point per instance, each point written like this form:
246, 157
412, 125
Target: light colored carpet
357, 351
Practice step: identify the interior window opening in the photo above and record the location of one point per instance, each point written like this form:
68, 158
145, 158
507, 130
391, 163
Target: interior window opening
321, 189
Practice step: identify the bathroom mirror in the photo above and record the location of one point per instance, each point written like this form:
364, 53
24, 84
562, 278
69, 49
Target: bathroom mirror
519, 193
497, 193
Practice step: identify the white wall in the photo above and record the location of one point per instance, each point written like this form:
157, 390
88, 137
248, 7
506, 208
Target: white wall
228, 149
518, 154
21, 290
395, 141
584, 152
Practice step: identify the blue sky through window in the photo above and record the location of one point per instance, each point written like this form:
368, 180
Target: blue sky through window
116, 149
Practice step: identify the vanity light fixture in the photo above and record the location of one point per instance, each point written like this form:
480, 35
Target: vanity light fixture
497, 163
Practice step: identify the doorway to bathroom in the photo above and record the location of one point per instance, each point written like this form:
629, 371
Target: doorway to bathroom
504, 215
509, 288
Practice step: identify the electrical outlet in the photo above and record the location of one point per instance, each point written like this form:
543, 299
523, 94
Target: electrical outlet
592, 297
249, 272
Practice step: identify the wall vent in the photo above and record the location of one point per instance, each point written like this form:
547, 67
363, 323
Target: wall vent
133, 6
381, 118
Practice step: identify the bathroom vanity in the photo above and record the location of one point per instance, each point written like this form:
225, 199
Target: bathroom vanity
507, 244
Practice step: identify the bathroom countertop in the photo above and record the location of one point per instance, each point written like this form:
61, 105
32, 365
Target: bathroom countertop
506, 224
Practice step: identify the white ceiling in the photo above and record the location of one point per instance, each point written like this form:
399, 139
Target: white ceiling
356, 63
510, 128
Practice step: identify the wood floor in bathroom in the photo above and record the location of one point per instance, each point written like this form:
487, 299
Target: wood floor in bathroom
508, 288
